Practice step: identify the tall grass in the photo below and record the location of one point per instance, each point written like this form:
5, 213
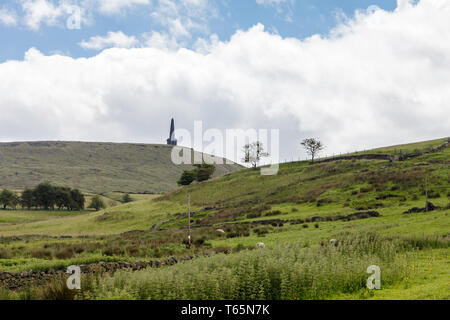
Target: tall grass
288, 271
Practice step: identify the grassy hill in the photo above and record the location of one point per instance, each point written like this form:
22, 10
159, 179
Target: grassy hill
364, 204
92, 166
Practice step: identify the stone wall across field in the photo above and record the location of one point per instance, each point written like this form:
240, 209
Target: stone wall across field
18, 280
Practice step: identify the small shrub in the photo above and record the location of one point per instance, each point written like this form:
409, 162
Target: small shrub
57, 290
133, 251
225, 250
157, 253
97, 203
254, 215
5, 253
323, 201
126, 198
41, 253
366, 204
261, 231
112, 250
64, 253
365, 190
273, 213
199, 242
433, 194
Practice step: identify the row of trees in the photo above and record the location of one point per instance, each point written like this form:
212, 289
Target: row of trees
254, 152
44, 196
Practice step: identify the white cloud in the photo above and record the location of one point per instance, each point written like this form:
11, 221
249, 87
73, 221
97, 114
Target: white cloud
112, 39
8, 17
38, 12
116, 6
160, 40
181, 18
380, 79
51, 12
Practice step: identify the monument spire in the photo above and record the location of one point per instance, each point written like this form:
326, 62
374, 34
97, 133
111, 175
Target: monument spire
172, 141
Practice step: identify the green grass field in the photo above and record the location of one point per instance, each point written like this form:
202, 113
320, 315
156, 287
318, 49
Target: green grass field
412, 249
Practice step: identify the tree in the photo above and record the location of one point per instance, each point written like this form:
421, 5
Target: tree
126, 198
27, 199
204, 171
8, 198
253, 152
15, 200
97, 203
187, 177
63, 197
312, 147
78, 200
45, 195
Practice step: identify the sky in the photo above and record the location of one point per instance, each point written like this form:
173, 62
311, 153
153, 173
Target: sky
355, 74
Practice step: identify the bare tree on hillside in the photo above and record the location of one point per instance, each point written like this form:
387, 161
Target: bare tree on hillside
312, 147
253, 152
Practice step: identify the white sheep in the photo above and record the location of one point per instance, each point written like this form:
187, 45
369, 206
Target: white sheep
260, 245
220, 231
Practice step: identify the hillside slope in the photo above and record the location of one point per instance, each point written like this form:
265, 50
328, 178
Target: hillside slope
300, 190
372, 208
93, 167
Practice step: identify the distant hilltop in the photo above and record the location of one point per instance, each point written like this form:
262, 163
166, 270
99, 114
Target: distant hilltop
93, 166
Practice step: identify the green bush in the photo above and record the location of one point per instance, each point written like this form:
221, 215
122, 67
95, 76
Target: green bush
126, 198
41, 253
65, 253
273, 213
97, 203
204, 171
433, 194
252, 215
187, 177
